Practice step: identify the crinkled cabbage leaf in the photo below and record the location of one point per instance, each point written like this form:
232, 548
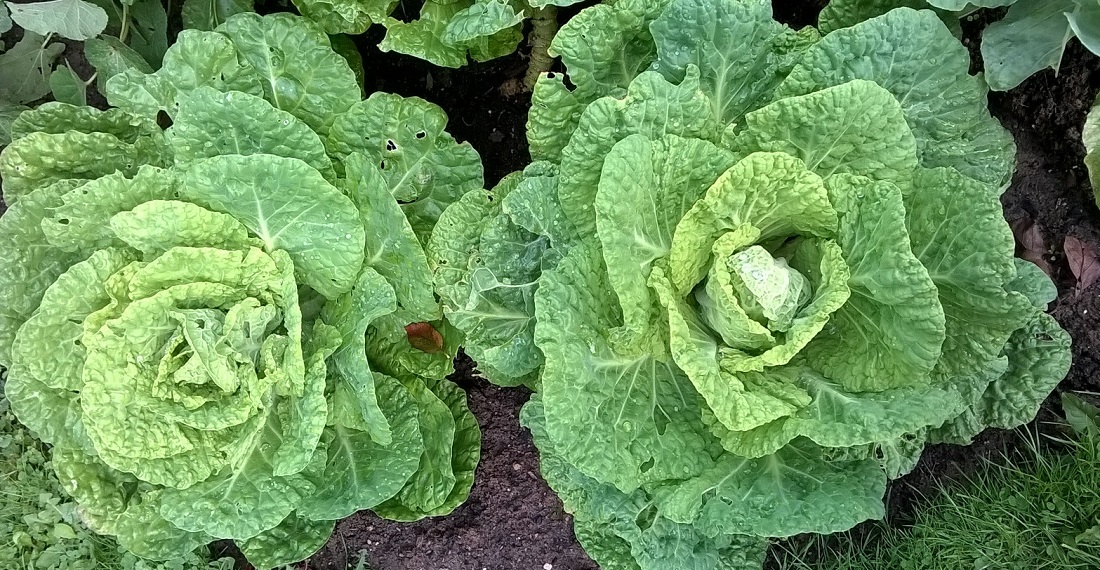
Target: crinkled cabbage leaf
207, 323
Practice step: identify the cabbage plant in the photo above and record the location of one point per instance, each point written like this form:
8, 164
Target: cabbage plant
447, 32
751, 272
1031, 37
226, 329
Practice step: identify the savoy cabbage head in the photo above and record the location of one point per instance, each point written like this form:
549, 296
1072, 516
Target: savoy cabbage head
210, 324
752, 272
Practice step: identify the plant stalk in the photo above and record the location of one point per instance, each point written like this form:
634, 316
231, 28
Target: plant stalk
544, 24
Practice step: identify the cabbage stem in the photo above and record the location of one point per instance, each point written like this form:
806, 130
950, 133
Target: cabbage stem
544, 24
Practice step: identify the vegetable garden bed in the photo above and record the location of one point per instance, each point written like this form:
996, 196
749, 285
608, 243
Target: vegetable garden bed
512, 519
496, 527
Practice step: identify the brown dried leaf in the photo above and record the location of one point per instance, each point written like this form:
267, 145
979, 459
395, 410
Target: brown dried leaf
1029, 235
424, 337
1082, 262
1033, 246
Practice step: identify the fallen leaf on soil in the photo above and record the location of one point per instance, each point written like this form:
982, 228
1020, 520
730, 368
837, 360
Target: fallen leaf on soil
1033, 245
424, 337
1082, 262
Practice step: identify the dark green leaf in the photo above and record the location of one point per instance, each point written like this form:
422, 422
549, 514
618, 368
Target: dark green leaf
25, 69
8, 113
5, 19
112, 57
343, 45
68, 87
209, 14
149, 30
73, 19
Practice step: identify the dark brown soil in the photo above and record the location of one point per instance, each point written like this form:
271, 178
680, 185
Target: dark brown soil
1051, 188
511, 521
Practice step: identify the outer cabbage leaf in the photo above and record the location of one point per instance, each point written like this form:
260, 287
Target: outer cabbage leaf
351, 314
607, 46
652, 106
247, 125
52, 144
789, 492
446, 31
452, 448
346, 16
853, 128
59, 118
196, 59
712, 37
839, 14
1038, 360
555, 111
643, 422
207, 15
535, 207
360, 473
930, 66
1091, 137
961, 4
43, 384
81, 223
626, 530
1031, 37
482, 19
282, 58
298, 70
486, 275
322, 234
8, 114
29, 254
424, 168
294, 539
392, 248
144, 532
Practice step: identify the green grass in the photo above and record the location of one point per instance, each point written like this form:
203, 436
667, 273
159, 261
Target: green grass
40, 527
1039, 511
